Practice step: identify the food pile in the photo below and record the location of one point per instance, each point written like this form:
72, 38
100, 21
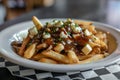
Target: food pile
63, 42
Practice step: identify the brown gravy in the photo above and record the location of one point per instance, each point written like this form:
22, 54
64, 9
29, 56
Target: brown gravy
112, 43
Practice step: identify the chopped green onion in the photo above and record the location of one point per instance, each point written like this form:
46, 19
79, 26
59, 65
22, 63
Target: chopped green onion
46, 32
60, 39
53, 29
47, 23
76, 25
69, 33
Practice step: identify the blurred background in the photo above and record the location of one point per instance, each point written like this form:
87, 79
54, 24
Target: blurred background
107, 11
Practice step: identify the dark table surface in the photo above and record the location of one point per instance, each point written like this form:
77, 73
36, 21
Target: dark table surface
105, 11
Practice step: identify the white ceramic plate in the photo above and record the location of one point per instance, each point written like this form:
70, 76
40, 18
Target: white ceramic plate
15, 31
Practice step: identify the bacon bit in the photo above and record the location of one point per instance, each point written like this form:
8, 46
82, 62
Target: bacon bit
49, 41
81, 40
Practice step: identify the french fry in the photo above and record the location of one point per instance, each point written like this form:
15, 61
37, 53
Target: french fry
38, 56
83, 57
30, 51
50, 47
92, 59
37, 23
103, 45
83, 22
91, 28
24, 43
59, 47
92, 44
72, 57
56, 56
96, 50
41, 46
46, 60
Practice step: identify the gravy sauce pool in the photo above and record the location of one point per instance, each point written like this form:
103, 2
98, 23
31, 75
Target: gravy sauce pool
112, 44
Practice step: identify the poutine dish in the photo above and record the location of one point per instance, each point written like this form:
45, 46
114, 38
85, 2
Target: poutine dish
63, 42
